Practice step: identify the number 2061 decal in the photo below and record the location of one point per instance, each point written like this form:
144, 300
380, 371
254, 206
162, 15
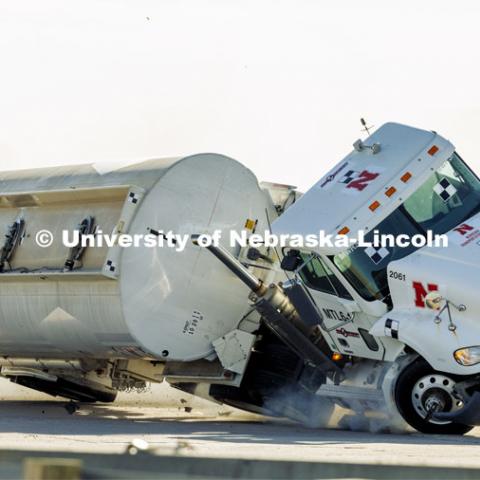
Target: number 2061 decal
397, 275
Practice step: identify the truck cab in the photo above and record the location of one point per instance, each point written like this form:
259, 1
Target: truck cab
399, 318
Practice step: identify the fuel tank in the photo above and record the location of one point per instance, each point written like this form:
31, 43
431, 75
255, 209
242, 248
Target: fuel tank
113, 301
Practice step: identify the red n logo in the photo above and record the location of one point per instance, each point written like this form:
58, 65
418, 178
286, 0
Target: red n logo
362, 181
463, 229
421, 293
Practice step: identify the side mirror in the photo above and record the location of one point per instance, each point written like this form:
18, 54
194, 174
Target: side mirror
434, 300
291, 261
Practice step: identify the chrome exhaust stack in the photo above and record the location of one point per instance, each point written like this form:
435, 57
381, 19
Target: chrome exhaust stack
281, 315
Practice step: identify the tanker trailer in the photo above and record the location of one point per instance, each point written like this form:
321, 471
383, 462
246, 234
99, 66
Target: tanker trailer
85, 321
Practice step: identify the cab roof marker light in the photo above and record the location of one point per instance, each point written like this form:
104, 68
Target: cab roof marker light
373, 206
433, 150
406, 177
250, 224
390, 191
343, 231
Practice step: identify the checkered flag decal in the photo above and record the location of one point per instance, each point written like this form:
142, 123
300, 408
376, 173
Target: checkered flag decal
349, 176
391, 328
444, 189
111, 265
376, 254
133, 197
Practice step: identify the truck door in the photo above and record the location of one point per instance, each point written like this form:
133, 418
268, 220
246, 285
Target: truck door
342, 319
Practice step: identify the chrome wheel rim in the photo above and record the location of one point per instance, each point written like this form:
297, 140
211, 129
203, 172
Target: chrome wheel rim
433, 394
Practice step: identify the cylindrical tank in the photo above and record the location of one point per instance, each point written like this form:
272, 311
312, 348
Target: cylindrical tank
120, 302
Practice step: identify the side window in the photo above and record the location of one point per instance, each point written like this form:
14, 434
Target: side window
318, 276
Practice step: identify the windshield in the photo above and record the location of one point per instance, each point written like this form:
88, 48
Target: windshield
447, 198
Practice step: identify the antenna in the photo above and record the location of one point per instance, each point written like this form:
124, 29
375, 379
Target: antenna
359, 145
364, 124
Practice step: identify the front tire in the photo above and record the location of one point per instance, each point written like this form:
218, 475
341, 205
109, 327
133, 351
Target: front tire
418, 390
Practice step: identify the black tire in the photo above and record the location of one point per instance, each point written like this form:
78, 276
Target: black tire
403, 399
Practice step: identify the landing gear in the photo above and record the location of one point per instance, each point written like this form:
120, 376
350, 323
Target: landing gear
421, 392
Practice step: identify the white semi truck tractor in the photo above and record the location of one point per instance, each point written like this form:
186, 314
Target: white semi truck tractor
390, 328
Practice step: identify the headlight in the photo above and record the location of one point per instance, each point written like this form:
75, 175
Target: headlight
468, 356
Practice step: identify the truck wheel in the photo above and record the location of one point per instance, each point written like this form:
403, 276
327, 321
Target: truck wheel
419, 391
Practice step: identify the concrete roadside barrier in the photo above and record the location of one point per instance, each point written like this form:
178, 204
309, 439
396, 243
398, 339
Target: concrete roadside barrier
35, 465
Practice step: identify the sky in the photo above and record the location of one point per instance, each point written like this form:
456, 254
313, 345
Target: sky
278, 85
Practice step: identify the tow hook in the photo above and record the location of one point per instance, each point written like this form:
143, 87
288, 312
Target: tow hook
434, 405
468, 415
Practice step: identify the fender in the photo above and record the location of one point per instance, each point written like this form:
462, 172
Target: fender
433, 341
